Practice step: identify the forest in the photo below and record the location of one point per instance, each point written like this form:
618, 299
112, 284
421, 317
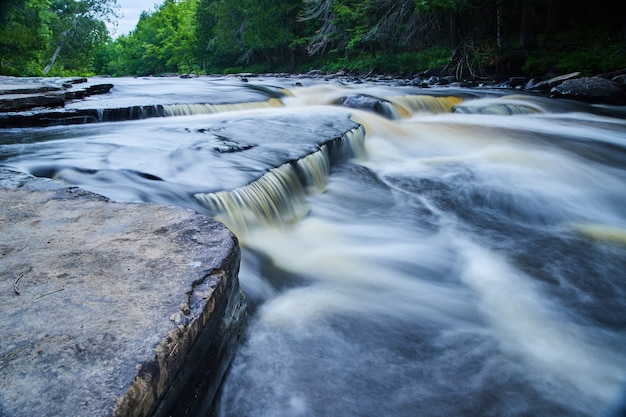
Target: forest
464, 38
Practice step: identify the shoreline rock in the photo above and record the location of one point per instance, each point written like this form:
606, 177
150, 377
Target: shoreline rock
111, 309
591, 90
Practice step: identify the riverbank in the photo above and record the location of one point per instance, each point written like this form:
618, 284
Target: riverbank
111, 309
607, 88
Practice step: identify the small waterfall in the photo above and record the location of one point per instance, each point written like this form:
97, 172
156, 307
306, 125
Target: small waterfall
203, 108
393, 111
129, 113
169, 110
315, 169
70, 116
408, 105
279, 196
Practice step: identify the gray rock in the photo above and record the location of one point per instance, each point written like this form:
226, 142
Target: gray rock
110, 309
18, 93
516, 81
591, 90
7, 87
89, 90
369, 103
16, 102
621, 80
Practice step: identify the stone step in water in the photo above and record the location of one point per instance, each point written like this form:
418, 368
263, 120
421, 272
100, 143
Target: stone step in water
111, 309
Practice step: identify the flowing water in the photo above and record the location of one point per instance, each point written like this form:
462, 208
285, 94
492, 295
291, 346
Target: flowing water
406, 252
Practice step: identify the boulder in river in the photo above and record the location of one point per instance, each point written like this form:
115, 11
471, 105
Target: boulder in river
591, 90
370, 103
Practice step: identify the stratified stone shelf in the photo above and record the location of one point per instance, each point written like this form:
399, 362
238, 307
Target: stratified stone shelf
110, 309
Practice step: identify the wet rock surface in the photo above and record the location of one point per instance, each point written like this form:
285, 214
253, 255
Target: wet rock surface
18, 94
22, 101
39, 102
110, 308
28, 102
591, 90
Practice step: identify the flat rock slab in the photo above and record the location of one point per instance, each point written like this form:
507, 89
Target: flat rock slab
25, 88
94, 100
13, 102
102, 304
19, 94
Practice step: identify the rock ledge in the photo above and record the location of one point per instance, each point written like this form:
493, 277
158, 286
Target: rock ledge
111, 309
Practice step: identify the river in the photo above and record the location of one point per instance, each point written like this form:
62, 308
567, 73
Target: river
406, 251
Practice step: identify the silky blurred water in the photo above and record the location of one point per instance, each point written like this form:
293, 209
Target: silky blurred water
469, 261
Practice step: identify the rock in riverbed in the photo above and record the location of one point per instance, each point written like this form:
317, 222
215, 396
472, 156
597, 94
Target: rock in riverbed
110, 309
591, 90
17, 93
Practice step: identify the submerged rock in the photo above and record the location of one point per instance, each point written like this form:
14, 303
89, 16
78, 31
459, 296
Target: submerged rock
369, 103
111, 309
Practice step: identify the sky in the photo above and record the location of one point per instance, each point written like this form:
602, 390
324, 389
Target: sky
131, 9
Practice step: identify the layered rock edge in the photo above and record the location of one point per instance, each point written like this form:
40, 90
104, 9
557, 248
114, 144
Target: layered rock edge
111, 309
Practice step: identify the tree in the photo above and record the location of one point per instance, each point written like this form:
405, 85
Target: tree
79, 24
23, 35
363, 26
178, 30
204, 31
474, 37
528, 33
162, 42
322, 20
269, 27
452, 9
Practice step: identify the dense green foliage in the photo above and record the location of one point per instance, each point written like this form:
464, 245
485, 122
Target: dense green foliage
53, 37
162, 42
467, 38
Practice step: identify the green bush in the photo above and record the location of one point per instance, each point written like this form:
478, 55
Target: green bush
588, 52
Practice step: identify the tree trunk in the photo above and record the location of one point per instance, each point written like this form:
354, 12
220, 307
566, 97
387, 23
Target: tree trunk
623, 23
550, 22
455, 39
268, 58
501, 40
528, 35
59, 47
292, 60
46, 70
